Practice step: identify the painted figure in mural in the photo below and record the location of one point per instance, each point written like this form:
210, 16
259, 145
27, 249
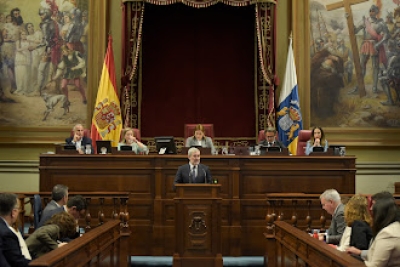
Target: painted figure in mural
16, 13
391, 78
85, 32
22, 64
326, 81
72, 68
77, 30
71, 30
37, 49
347, 56
375, 34
337, 47
10, 35
51, 56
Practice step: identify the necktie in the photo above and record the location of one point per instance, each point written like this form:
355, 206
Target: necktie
193, 174
269, 144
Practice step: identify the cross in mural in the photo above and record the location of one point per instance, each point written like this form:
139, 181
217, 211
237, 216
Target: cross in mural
350, 24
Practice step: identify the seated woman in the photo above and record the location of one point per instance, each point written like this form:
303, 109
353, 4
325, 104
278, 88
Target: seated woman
385, 249
199, 139
45, 238
358, 232
317, 140
129, 139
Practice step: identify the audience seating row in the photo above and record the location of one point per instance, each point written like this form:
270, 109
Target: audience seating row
106, 245
101, 207
287, 246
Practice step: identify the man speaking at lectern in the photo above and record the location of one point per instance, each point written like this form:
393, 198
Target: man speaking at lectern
194, 172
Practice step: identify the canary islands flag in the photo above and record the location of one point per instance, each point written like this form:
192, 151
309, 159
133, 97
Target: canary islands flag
107, 120
289, 116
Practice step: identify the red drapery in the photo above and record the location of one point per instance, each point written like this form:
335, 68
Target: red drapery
135, 20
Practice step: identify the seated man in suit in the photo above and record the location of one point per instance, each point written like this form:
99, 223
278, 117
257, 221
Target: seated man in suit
332, 203
269, 140
76, 206
79, 140
59, 198
10, 251
193, 172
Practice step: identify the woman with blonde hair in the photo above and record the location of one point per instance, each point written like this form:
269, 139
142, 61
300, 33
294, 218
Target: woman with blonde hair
358, 232
200, 139
128, 138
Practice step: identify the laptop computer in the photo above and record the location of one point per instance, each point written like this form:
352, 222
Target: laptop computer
69, 147
318, 149
103, 146
273, 149
265, 150
125, 148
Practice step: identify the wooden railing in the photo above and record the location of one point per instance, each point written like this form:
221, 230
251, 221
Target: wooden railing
101, 207
303, 211
106, 245
292, 247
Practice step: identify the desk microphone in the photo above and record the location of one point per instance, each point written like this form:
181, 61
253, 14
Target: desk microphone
190, 177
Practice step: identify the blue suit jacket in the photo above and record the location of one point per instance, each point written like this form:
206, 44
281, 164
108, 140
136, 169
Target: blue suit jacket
203, 175
10, 250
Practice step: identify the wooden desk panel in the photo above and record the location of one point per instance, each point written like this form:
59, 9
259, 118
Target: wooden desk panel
244, 182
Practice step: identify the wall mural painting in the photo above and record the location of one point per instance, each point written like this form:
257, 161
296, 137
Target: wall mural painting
43, 55
355, 63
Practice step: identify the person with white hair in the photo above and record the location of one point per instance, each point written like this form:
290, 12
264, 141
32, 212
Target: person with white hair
331, 202
193, 172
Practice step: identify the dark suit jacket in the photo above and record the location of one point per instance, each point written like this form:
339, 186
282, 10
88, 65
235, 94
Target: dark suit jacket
85, 141
10, 250
276, 143
203, 175
49, 211
361, 235
337, 227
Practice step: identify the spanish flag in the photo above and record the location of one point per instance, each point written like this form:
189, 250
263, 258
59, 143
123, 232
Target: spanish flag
107, 120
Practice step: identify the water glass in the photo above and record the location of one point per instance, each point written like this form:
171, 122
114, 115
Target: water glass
88, 149
257, 150
342, 151
215, 152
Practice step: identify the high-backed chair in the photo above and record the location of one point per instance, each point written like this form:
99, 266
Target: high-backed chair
37, 210
136, 133
261, 136
189, 130
304, 136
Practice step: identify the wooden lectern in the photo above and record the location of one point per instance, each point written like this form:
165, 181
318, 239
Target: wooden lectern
198, 226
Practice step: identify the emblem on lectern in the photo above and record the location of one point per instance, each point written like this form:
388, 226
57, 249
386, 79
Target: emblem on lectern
197, 234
